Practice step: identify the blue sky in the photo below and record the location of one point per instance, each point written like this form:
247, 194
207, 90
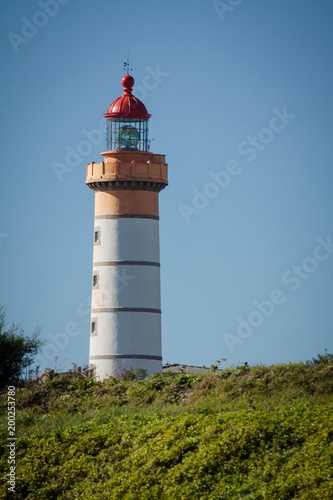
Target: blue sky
240, 94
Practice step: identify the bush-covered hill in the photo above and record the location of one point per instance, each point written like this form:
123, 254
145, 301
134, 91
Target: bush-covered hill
252, 433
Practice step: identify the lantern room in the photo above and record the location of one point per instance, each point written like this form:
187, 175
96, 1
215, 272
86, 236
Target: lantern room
127, 121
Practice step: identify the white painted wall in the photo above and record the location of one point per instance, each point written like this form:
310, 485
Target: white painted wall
128, 239
126, 286
127, 333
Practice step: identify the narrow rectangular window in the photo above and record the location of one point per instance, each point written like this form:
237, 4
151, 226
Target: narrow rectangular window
94, 327
95, 280
97, 235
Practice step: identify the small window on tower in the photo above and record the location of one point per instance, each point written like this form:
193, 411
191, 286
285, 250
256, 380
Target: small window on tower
97, 236
93, 330
95, 280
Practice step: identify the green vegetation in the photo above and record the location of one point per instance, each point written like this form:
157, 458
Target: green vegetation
17, 352
253, 433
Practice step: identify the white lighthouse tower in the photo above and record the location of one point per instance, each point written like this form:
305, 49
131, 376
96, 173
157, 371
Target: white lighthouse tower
125, 330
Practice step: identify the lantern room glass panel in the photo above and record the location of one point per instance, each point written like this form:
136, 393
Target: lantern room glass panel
126, 134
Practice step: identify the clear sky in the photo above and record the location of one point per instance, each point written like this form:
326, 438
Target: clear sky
240, 94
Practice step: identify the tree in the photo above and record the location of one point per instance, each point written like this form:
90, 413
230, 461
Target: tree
16, 350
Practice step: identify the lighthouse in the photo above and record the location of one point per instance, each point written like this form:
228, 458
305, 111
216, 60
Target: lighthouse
125, 327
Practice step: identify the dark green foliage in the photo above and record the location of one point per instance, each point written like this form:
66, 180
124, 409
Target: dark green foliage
323, 359
17, 352
260, 433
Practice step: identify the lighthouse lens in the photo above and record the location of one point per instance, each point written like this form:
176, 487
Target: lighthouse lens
126, 134
127, 137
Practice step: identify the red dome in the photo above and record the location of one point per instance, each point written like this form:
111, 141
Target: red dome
127, 106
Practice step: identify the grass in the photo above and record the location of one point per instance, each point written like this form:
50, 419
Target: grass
254, 433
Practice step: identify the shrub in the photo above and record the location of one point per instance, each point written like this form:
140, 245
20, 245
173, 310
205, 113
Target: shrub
17, 352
